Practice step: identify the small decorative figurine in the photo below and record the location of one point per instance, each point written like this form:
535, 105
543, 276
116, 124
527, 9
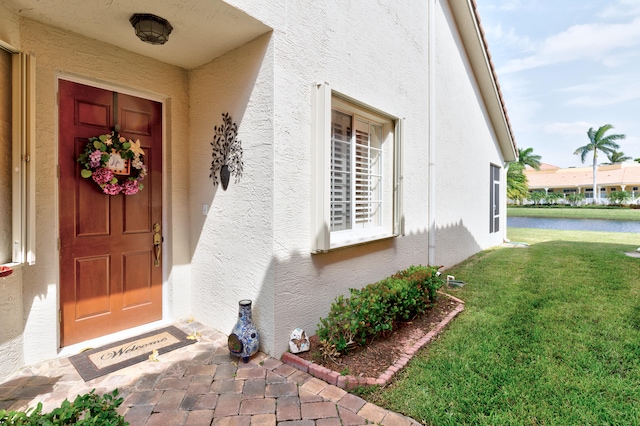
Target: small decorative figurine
299, 341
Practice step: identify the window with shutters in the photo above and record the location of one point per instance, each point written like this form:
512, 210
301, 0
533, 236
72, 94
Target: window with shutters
357, 173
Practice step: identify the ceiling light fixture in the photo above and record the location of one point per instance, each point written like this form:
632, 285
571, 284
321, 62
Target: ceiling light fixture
150, 28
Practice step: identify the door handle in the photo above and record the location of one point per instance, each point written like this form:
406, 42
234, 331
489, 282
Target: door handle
157, 244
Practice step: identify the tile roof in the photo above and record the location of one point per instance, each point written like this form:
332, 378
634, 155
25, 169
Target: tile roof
474, 6
610, 175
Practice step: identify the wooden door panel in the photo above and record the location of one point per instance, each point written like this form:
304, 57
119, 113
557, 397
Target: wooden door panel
93, 114
137, 210
92, 208
135, 121
137, 279
92, 300
108, 281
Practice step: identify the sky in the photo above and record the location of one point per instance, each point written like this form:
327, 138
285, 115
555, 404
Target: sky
565, 66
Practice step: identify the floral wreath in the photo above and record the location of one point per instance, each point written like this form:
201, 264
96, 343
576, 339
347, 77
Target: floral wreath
114, 163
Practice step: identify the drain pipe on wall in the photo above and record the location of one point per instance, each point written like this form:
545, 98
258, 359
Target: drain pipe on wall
432, 134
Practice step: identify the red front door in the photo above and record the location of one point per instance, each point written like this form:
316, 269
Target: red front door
109, 277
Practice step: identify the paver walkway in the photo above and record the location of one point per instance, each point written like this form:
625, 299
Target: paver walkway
202, 384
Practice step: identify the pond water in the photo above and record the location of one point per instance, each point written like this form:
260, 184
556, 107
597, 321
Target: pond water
575, 224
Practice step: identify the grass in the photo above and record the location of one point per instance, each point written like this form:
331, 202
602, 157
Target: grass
550, 335
610, 213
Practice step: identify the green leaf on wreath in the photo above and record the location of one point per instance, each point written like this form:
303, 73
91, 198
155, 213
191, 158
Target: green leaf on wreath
99, 145
113, 181
126, 145
140, 186
104, 138
85, 173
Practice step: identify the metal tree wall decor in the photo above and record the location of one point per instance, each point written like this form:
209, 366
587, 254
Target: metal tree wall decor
227, 152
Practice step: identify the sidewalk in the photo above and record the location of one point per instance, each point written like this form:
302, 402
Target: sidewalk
202, 384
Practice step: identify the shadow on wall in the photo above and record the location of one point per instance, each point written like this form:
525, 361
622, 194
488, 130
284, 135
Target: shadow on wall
454, 243
297, 289
12, 324
239, 83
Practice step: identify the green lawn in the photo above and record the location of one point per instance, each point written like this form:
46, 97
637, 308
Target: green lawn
575, 212
550, 335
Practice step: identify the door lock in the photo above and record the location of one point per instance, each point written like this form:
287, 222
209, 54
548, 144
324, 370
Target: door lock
157, 243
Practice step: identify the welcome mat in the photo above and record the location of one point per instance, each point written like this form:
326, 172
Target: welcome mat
109, 358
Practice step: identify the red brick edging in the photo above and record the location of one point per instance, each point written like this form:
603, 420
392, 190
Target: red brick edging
350, 382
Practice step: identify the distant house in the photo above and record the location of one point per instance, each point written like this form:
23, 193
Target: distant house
373, 137
612, 177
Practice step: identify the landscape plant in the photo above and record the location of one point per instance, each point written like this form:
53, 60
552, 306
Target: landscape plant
550, 335
87, 409
377, 308
536, 197
553, 198
575, 198
517, 186
619, 197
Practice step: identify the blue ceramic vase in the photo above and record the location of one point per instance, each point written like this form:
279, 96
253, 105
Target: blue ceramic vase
244, 339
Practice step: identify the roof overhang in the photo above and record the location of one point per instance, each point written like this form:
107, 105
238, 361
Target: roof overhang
202, 29
468, 22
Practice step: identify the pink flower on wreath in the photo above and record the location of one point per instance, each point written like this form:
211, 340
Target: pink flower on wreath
95, 158
130, 187
112, 189
102, 175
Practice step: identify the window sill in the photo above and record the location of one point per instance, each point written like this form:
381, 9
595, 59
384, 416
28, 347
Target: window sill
356, 242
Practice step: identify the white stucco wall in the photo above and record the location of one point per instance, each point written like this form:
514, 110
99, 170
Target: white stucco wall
11, 339
232, 244
376, 55
466, 146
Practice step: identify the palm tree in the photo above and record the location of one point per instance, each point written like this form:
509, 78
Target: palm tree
617, 157
599, 142
517, 187
526, 157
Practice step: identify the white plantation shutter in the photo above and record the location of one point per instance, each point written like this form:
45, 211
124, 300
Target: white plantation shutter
368, 174
356, 173
341, 205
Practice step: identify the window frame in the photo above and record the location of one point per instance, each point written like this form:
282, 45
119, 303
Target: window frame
494, 198
23, 101
325, 100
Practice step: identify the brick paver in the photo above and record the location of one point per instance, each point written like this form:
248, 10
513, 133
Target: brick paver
202, 384
318, 410
258, 406
288, 408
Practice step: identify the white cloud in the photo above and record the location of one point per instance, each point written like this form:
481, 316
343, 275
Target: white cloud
596, 42
623, 9
573, 128
509, 38
604, 91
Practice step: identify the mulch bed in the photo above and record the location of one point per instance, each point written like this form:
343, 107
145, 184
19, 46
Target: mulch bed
374, 359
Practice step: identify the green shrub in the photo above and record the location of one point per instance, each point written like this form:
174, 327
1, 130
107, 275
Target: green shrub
85, 410
375, 309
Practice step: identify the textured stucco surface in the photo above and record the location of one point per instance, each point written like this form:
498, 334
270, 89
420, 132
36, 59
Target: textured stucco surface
466, 147
232, 245
11, 340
